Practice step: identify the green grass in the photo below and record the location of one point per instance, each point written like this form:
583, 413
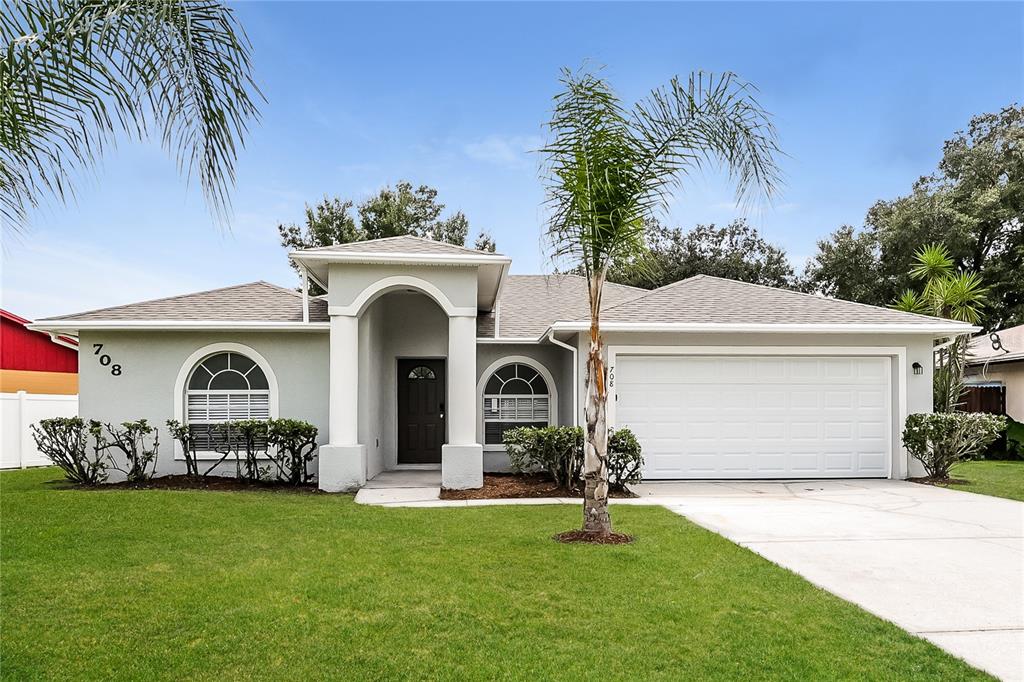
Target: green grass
168, 584
991, 477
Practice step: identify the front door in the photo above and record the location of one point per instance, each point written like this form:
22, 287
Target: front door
421, 391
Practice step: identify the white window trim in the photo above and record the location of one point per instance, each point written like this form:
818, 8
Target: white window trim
482, 384
198, 356
898, 464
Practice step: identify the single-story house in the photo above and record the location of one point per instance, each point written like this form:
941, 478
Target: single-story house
421, 354
997, 360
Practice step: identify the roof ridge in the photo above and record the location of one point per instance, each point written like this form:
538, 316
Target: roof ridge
156, 300
425, 240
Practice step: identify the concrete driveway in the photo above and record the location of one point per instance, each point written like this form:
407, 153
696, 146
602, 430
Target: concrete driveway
945, 565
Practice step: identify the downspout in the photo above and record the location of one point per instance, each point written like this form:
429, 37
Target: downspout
575, 376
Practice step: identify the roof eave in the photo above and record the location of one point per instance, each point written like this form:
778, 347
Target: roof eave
74, 326
934, 330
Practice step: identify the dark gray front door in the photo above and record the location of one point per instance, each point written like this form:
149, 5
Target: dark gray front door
421, 391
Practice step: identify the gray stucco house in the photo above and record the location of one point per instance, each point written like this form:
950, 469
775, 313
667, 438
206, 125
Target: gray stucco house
421, 354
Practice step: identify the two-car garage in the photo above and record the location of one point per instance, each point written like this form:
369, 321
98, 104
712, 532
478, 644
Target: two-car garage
716, 416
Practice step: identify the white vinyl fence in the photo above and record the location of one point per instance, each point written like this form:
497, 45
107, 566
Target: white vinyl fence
17, 412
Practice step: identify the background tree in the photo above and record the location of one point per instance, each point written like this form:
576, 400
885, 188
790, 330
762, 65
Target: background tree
609, 170
392, 212
973, 205
74, 73
736, 251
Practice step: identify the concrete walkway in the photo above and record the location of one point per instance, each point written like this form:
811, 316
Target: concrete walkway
945, 565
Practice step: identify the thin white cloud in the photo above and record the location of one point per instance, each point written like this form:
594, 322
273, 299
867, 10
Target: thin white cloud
509, 151
47, 276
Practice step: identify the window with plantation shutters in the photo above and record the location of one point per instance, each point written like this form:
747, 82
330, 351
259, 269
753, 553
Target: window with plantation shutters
224, 387
515, 395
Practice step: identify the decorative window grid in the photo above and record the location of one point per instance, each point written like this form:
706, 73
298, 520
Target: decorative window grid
224, 387
515, 395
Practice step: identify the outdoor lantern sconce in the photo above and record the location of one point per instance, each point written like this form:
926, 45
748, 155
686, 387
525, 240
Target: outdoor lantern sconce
918, 369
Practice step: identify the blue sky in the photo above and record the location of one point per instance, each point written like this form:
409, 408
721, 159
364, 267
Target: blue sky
455, 96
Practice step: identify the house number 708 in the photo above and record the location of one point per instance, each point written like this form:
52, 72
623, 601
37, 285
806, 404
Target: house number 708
105, 359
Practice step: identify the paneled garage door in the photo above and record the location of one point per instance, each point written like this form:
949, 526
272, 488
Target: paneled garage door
757, 417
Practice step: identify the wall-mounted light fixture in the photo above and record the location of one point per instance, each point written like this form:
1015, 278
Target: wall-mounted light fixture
918, 369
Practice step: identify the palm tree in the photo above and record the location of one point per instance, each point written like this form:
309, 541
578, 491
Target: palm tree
952, 295
610, 169
73, 73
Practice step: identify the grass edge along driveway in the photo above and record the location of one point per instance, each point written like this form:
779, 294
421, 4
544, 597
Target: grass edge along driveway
998, 478
130, 584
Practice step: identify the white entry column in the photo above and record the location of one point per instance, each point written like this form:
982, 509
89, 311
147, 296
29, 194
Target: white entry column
342, 463
462, 463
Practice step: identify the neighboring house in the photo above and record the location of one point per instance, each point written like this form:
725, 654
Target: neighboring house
38, 379
997, 360
34, 361
421, 354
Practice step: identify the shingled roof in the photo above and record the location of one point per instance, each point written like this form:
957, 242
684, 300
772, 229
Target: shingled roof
401, 244
705, 299
530, 303
253, 302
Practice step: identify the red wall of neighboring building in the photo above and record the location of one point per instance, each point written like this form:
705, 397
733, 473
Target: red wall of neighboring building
24, 349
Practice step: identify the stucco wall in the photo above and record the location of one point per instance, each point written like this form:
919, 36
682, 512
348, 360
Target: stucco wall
150, 362
558, 362
918, 349
1011, 374
348, 280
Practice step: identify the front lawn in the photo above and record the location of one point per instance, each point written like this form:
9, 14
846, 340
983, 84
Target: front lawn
225, 585
990, 477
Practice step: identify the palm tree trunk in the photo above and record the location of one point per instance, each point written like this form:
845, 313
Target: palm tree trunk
595, 449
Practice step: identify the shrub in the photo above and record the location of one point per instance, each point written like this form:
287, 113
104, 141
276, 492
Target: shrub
65, 440
625, 460
246, 439
187, 440
555, 449
293, 442
940, 440
130, 439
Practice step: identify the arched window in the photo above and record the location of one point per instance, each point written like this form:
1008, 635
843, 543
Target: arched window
224, 386
515, 395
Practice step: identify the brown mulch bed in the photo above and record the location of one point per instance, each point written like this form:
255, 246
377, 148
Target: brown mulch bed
217, 483
939, 481
508, 486
592, 538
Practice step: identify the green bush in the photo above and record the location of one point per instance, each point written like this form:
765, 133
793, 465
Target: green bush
65, 441
942, 439
130, 438
557, 450
246, 439
292, 443
1014, 439
625, 460
183, 434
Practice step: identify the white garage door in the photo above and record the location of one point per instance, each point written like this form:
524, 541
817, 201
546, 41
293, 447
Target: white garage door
757, 417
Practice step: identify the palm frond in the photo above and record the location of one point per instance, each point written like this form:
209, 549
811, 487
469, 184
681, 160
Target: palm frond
911, 302
74, 73
932, 261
